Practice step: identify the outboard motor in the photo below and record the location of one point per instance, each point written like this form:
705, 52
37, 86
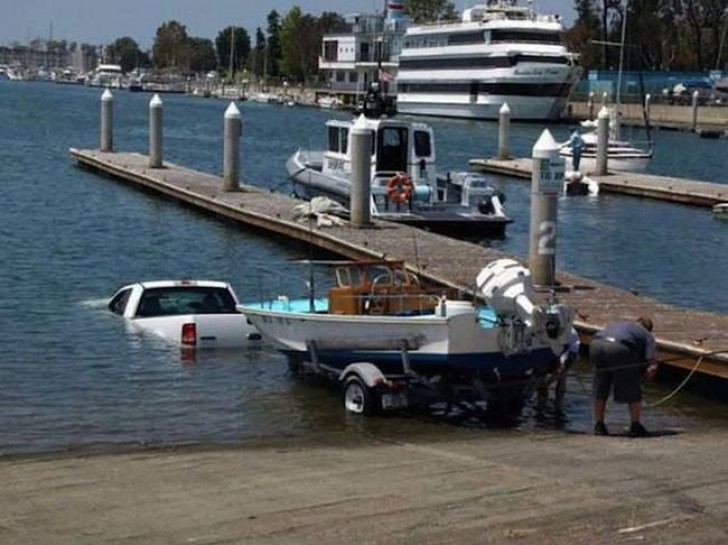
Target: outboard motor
493, 203
507, 288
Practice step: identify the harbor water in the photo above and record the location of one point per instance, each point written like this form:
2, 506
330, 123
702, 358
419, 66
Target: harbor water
72, 375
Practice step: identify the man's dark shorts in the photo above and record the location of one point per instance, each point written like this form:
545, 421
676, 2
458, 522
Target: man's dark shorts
615, 364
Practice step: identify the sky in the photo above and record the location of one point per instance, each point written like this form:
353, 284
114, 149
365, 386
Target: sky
102, 21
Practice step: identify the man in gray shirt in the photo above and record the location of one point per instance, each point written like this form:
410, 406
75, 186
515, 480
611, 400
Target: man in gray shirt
619, 354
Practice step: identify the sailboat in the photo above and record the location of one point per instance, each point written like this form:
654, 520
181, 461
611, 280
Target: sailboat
622, 155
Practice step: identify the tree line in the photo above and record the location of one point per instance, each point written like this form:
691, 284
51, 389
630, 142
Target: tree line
660, 35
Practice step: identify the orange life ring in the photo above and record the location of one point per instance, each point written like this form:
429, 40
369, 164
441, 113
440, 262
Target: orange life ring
399, 187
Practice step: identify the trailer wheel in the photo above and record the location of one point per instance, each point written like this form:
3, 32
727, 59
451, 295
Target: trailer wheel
358, 397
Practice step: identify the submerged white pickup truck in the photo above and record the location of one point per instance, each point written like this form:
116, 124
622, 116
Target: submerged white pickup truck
191, 313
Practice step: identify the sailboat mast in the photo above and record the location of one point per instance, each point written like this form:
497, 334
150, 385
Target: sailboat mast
232, 54
618, 102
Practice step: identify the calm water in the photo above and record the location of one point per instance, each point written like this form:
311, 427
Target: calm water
71, 375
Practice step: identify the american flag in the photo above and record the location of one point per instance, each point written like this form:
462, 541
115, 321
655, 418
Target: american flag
385, 76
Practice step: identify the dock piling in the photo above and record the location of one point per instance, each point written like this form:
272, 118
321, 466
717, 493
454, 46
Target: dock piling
155, 132
547, 182
107, 121
605, 99
648, 105
602, 141
694, 104
231, 152
590, 105
504, 131
360, 198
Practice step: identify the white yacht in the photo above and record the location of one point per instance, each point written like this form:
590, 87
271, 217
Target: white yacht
107, 75
499, 52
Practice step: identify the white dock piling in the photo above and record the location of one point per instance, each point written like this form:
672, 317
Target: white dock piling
107, 121
547, 182
648, 106
231, 152
602, 141
605, 99
361, 167
504, 131
694, 104
155, 132
590, 105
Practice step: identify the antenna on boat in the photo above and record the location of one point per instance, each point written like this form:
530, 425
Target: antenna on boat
618, 103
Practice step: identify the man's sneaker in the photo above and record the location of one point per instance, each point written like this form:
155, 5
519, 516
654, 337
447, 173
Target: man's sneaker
636, 429
600, 429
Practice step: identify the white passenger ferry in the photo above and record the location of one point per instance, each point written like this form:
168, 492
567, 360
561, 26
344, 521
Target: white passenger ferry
499, 52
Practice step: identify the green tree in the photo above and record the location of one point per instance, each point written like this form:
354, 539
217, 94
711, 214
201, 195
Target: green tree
300, 38
256, 61
201, 55
171, 47
239, 38
424, 11
273, 44
126, 53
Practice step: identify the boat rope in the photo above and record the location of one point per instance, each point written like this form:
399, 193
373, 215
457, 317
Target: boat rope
685, 380
674, 392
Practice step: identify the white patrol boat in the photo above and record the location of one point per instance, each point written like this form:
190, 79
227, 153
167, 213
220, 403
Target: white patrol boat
405, 184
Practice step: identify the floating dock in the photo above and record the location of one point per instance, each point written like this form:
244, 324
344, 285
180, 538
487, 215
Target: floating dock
663, 188
686, 339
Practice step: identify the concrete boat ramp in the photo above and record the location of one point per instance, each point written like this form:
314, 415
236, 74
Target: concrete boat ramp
686, 338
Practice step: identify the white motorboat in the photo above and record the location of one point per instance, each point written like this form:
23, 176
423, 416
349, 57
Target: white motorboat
720, 211
622, 155
499, 52
405, 185
107, 75
328, 102
379, 312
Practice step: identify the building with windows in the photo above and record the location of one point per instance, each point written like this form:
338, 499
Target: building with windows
366, 50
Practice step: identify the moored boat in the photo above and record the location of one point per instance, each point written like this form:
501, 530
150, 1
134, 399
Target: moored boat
405, 184
499, 52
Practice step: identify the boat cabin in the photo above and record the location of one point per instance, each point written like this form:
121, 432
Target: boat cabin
397, 146
381, 287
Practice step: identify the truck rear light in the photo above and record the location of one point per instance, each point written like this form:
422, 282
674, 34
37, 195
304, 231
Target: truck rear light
189, 334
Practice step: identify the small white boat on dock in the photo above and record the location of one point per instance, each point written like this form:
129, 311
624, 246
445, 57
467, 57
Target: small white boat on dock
405, 184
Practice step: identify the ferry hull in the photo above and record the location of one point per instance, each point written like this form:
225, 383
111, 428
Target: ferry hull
522, 108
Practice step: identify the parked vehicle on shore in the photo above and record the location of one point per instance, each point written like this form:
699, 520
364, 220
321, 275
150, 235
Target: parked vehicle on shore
191, 313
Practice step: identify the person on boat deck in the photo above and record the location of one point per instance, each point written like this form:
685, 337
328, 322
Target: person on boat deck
576, 142
558, 373
622, 353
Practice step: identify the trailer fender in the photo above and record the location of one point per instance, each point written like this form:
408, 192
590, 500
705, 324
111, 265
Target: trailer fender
368, 372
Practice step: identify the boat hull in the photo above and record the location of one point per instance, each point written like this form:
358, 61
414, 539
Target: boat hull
434, 345
309, 182
523, 108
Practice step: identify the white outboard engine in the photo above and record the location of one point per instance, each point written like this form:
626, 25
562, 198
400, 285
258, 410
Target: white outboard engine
507, 288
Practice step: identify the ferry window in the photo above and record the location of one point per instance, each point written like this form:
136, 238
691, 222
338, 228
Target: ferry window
422, 144
544, 38
464, 38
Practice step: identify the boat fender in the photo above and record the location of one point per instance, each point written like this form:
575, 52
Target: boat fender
399, 187
368, 372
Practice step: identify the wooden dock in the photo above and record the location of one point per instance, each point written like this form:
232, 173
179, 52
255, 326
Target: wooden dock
626, 183
685, 337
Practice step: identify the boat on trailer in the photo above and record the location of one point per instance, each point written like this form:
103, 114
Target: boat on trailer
380, 331
405, 184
